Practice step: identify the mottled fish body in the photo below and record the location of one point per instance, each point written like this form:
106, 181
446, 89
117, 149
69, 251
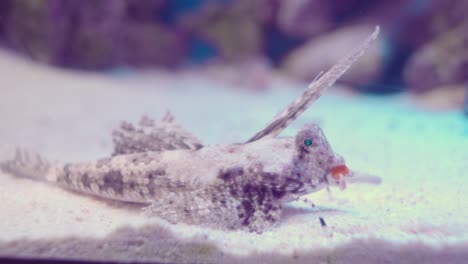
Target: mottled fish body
143, 177
232, 186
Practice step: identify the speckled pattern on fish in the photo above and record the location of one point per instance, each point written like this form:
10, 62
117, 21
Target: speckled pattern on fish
227, 186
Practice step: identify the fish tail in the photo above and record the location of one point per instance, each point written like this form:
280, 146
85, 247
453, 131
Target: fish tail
29, 165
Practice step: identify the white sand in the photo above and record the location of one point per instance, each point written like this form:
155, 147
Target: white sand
417, 215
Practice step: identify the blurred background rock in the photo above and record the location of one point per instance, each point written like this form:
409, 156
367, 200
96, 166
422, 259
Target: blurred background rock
423, 48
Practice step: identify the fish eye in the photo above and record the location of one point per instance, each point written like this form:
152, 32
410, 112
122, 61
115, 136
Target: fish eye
308, 142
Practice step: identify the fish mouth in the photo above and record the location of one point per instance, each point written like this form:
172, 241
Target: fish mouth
338, 174
338, 171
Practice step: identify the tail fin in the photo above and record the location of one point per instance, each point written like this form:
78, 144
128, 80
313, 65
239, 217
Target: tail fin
28, 165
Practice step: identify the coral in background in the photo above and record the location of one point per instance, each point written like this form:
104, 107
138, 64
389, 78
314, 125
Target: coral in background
306, 18
144, 10
146, 41
440, 62
465, 105
232, 28
90, 34
444, 59
37, 28
146, 44
4, 10
423, 45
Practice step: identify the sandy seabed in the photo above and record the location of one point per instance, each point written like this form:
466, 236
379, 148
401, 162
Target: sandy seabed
417, 215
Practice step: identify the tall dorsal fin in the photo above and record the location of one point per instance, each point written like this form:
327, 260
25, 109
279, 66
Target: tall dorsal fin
314, 91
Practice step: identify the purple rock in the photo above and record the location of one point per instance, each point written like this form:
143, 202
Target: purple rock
146, 44
36, 28
78, 34
89, 34
5, 7
122, 33
144, 10
93, 33
305, 18
465, 105
440, 62
233, 28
